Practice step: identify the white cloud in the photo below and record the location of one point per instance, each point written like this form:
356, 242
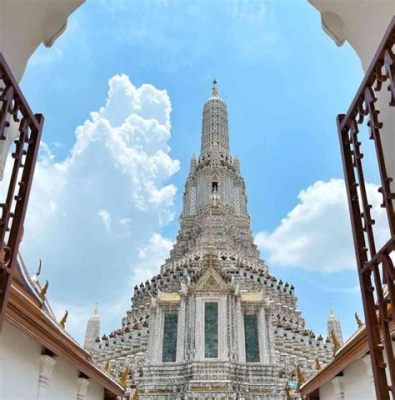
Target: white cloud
105, 216
161, 26
150, 258
316, 233
44, 56
116, 176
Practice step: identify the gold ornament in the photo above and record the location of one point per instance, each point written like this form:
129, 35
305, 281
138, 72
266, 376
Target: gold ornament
124, 377
300, 376
44, 291
317, 364
64, 319
359, 322
107, 366
335, 341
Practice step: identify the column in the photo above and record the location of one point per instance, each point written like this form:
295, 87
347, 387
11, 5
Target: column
264, 348
152, 333
158, 344
368, 364
232, 333
240, 328
222, 330
181, 337
82, 388
193, 330
47, 364
338, 386
199, 329
270, 335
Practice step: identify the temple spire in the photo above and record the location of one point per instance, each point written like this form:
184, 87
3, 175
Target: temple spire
92, 330
215, 131
334, 326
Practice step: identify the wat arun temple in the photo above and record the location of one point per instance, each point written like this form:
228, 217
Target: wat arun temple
214, 323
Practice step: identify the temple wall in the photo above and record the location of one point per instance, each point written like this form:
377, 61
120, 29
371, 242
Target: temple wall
14, 363
356, 383
26, 374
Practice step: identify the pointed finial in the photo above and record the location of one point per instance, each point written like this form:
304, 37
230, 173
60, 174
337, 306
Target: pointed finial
39, 269
317, 364
107, 366
37, 274
214, 89
359, 322
44, 291
331, 309
62, 322
136, 394
335, 341
124, 377
95, 311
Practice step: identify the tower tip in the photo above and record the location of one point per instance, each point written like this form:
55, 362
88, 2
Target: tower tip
214, 89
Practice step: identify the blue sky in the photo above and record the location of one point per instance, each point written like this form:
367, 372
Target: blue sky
97, 224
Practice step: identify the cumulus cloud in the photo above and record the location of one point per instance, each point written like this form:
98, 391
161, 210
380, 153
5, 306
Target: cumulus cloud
105, 216
92, 214
316, 233
150, 258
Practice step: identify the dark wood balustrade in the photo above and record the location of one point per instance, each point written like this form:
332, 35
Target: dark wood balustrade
375, 266
16, 119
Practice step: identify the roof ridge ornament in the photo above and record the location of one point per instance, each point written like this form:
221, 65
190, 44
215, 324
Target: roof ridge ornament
63, 321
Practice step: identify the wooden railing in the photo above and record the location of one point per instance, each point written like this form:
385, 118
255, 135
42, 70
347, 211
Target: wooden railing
375, 266
16, 121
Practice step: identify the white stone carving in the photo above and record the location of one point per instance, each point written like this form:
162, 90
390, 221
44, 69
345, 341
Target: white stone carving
82, 388
338, 386
47, 364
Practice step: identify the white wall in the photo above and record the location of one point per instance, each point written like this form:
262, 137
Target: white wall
95, 391
20, 362
356, 384
19, 365
63, 382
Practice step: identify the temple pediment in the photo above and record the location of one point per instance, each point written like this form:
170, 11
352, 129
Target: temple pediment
211, 280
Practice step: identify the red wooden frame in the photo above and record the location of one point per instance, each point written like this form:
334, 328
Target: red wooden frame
375, 267
16, 118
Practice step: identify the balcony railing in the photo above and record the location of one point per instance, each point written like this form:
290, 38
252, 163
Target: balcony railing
374, 100
18, 122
